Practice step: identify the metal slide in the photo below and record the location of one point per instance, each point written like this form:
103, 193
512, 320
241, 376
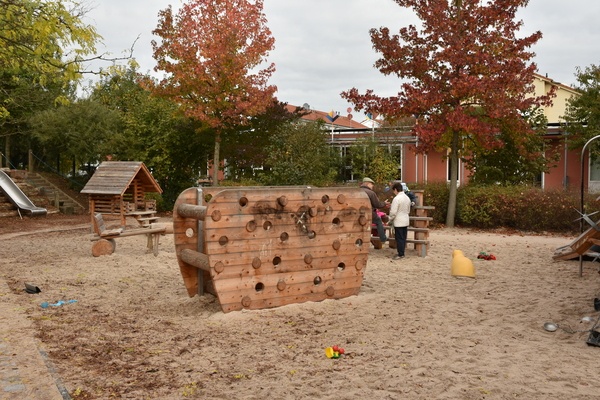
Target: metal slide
17, 197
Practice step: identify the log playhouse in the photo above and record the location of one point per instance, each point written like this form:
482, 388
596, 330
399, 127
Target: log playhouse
263, 247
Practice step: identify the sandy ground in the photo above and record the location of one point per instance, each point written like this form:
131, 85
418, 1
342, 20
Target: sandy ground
413, 332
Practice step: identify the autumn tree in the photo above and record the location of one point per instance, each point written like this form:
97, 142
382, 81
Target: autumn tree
212, 52
466, 77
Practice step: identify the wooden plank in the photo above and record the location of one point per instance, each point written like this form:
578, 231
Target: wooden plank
268, 282
285, 256
420, 218
341, 265
330, 244
153, 219
415, 229
266, 209
142, 231
111, 232
582, 243
565, 253
133, 232
318, 295
256, 223
418, 241
231, 290
140, 213
423, 207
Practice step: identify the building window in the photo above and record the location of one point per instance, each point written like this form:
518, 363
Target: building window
594, 176
595, 170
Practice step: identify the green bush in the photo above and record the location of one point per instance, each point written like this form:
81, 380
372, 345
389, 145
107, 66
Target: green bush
518, 207
481, 207
240, 182
435, 194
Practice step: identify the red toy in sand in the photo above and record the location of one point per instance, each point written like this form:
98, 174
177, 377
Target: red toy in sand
484, 256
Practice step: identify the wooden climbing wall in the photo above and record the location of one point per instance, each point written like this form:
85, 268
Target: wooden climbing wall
262, 247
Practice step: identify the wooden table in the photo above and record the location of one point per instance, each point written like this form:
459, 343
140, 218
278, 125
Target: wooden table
144, 218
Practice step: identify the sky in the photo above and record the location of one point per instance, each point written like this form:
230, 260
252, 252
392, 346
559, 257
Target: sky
323, 47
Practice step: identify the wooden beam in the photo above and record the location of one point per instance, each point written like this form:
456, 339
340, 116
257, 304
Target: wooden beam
192, 211
195, 259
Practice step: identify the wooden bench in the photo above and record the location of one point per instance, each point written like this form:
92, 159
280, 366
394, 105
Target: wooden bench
104, 239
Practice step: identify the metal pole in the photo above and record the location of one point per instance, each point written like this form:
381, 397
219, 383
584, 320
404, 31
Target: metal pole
581, 202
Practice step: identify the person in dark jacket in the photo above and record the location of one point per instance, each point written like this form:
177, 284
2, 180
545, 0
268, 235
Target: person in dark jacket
368, 185
411, 195
414, 201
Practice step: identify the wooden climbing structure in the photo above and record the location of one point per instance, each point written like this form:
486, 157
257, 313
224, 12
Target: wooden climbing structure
263, 247
119, 188
419, 225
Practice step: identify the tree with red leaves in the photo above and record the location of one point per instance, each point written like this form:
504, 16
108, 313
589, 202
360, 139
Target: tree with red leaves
211, 52
467, 78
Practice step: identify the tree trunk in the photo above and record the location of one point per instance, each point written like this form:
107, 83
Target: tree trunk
215, 172
7, 151
451, 214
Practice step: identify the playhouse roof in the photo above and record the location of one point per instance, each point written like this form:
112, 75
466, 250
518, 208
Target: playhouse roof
114, 177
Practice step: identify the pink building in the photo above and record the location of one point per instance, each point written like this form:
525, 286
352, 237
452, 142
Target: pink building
434, 167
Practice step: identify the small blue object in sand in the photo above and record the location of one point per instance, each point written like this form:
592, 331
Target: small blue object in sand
59, 303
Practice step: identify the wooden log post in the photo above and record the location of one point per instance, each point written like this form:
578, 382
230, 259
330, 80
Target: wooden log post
190, 207
195, 258
186, 210
103, 247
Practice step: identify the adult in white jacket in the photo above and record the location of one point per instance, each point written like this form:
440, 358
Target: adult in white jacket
399, 218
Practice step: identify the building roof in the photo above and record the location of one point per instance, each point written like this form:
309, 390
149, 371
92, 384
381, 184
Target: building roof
340, 121
114, 177
557, 84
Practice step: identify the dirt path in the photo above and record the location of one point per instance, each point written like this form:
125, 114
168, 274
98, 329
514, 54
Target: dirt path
25, 370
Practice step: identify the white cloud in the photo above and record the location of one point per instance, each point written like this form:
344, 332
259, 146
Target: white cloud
324, 48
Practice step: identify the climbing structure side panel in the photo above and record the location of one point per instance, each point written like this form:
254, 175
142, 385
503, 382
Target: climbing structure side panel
262, 247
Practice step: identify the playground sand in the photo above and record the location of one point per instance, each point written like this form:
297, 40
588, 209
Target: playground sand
413, 332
